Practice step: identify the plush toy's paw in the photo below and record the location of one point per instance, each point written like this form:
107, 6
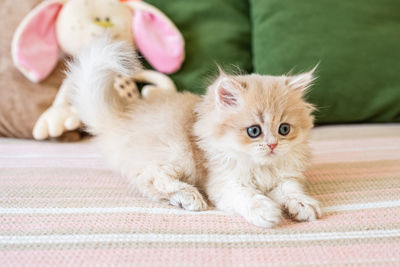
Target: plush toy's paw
151, 91
55, 121
126, 88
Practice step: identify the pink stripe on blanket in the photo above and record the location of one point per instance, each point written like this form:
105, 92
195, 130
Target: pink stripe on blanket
316, 255
356, 156
339, 173
359, 194
196, 223
25, 146
71, 181
53, 162
356, 144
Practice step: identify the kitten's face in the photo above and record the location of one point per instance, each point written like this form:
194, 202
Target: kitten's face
261, 117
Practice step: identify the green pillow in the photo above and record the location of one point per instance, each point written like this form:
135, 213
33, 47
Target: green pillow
215, 32
356, 42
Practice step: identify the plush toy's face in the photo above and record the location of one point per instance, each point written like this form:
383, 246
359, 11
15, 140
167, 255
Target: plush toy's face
67, 26
80, 21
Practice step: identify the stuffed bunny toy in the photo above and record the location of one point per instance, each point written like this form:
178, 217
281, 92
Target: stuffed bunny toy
64, 27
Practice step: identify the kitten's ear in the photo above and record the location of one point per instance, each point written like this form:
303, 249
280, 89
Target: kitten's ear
301, 81
227, 92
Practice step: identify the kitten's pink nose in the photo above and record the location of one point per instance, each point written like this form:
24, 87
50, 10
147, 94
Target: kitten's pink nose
272, 146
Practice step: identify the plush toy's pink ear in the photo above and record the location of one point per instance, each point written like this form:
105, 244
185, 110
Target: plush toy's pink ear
34, 47
157, 38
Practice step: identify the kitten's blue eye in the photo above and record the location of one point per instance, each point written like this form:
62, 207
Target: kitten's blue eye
254, 131
284, 129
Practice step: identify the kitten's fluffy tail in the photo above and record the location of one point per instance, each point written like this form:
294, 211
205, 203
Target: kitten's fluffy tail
91, 75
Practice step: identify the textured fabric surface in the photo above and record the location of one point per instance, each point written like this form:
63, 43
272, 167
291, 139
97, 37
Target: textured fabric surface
356, 43
60, 204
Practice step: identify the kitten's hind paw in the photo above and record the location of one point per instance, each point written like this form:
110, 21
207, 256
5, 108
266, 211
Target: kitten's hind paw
264, 212
189, 199
303, 208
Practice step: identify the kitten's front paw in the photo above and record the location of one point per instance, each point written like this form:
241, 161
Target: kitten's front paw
189, 199
264, 212
303, 208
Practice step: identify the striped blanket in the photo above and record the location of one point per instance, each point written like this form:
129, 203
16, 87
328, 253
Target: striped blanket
60, 204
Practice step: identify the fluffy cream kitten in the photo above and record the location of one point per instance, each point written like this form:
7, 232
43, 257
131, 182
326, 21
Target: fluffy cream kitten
244, 143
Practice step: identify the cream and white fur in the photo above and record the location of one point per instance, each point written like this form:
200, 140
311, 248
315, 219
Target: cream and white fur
174, 146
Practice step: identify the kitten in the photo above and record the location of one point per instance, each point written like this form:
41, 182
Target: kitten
244, 143
254, 132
